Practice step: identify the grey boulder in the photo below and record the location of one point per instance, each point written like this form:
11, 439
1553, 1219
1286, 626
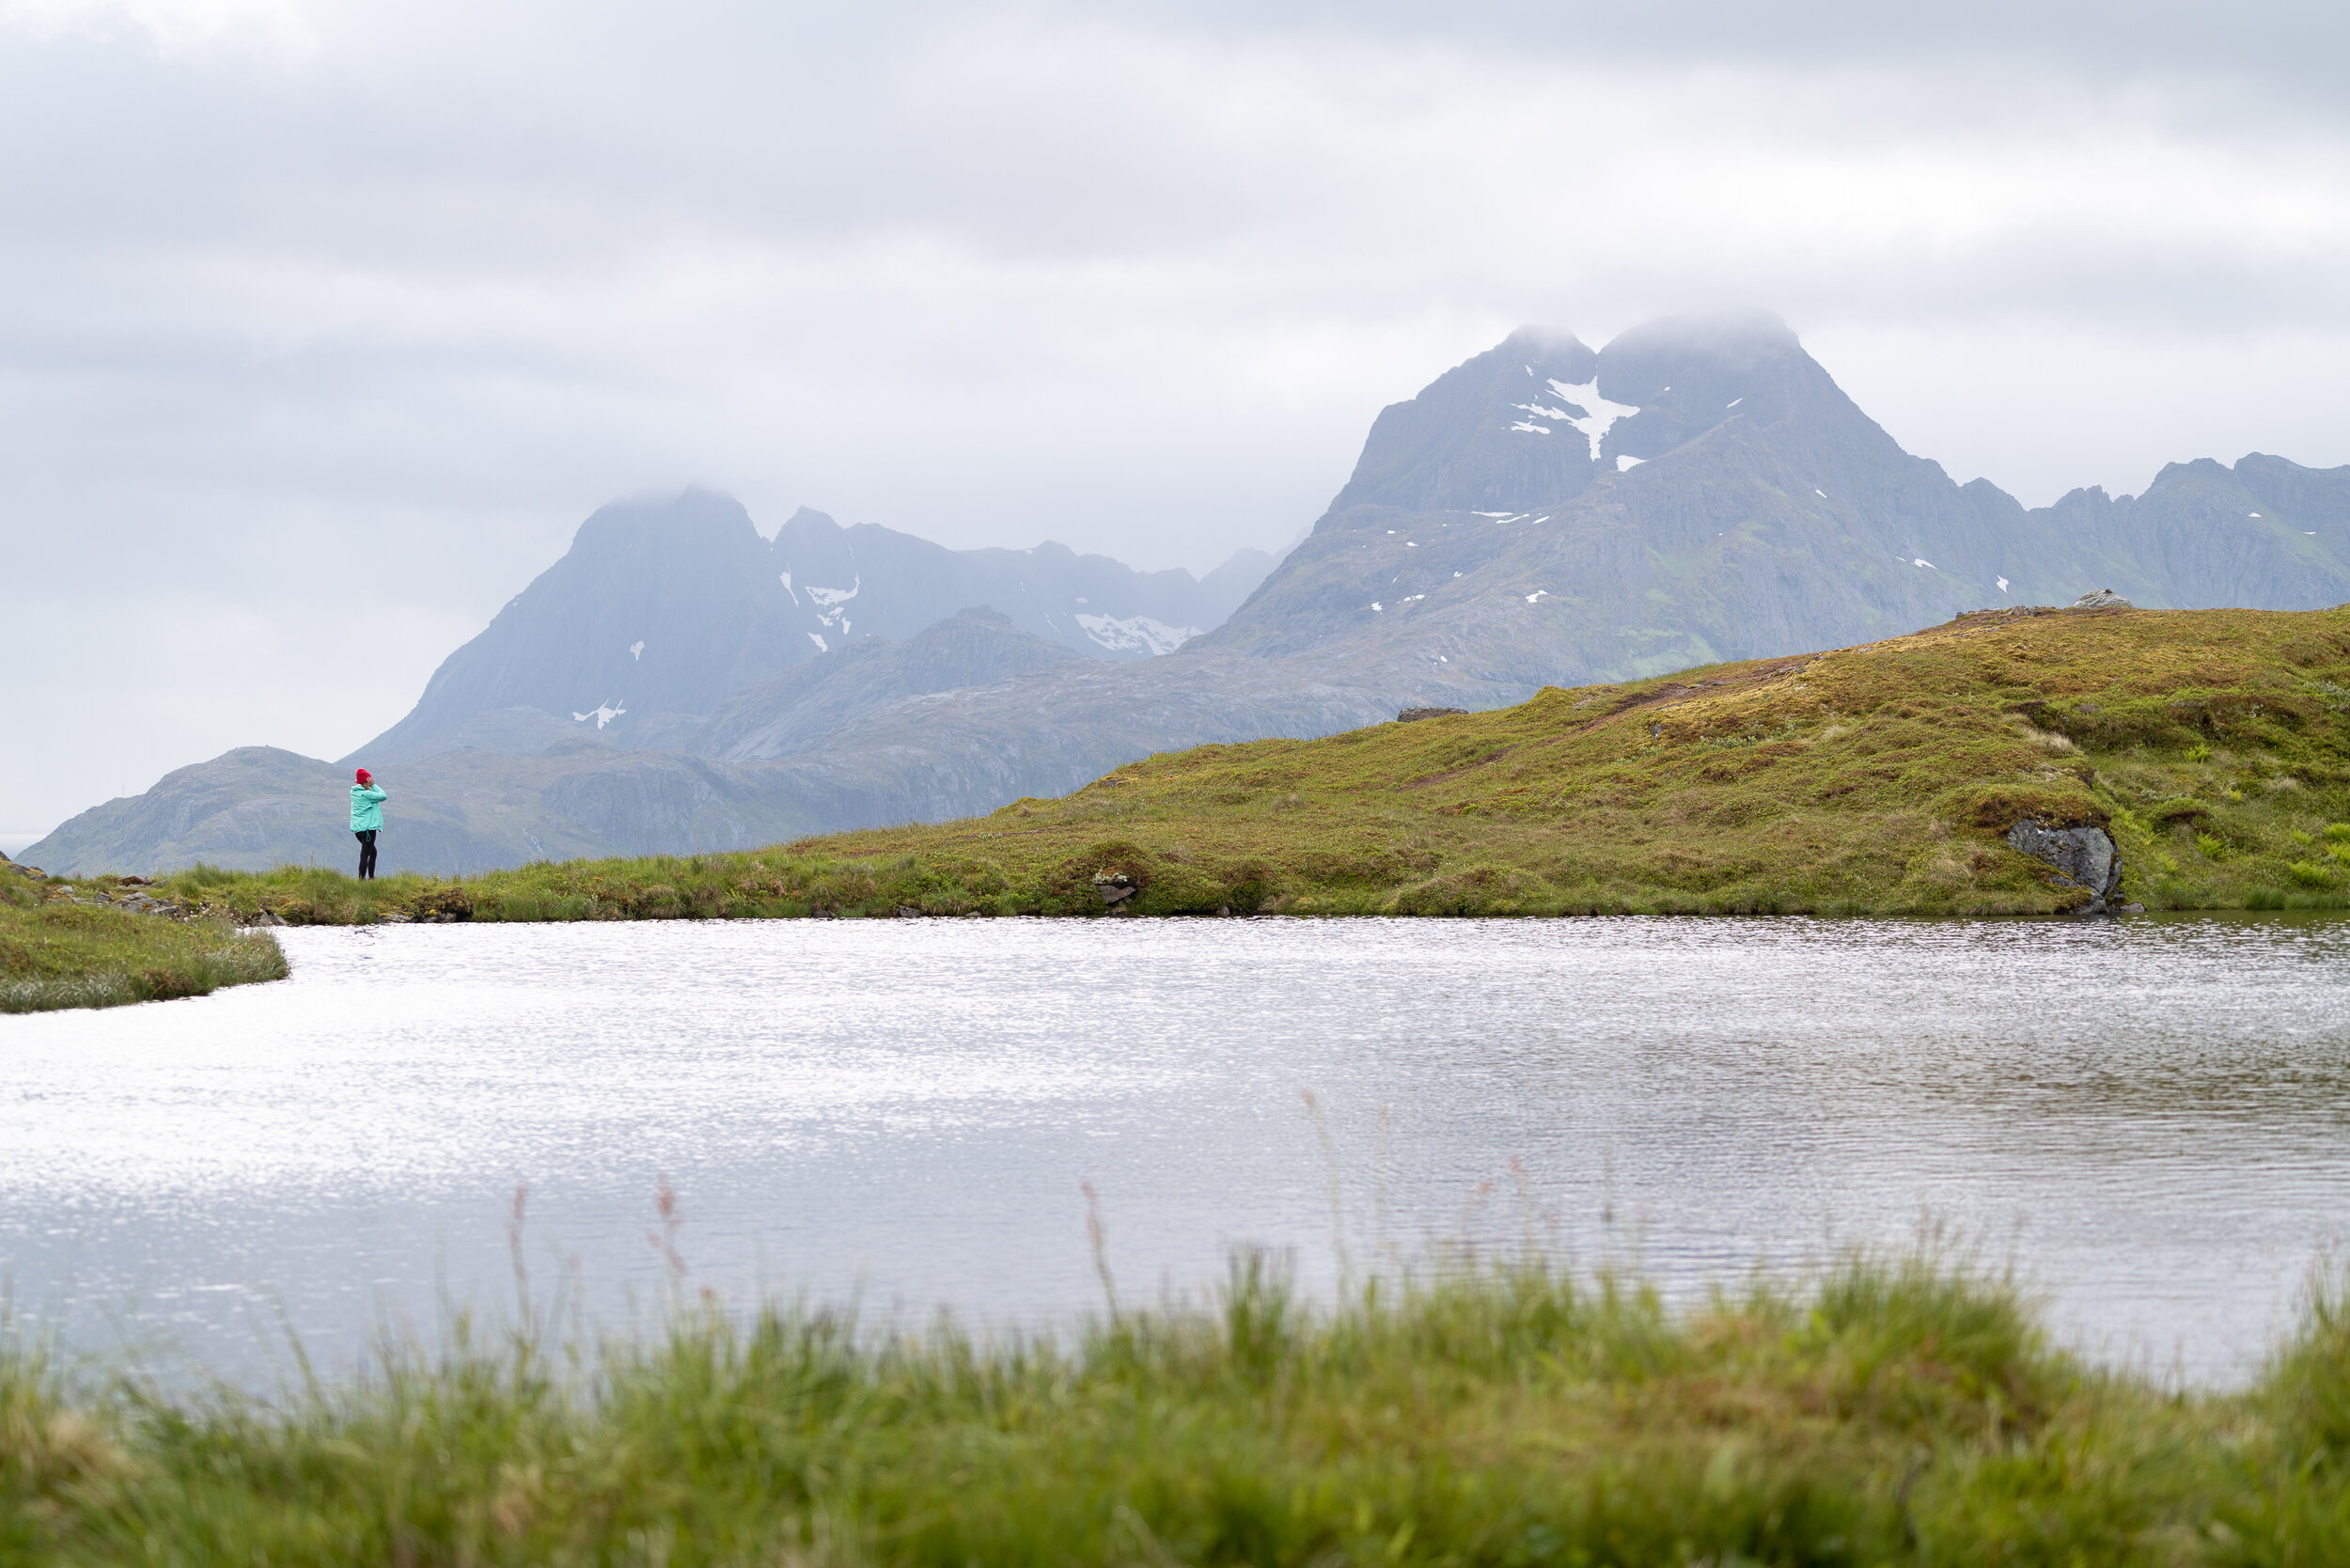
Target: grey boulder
2083, 856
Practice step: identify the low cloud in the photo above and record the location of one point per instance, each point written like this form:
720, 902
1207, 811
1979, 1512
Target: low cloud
315, 312
169, 26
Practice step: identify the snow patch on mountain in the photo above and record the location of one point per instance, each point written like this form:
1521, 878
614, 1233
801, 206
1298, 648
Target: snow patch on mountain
1598, 412
1123, 634
828, 604
603, 713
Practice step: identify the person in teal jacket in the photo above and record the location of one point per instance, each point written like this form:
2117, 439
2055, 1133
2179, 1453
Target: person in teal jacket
367, 820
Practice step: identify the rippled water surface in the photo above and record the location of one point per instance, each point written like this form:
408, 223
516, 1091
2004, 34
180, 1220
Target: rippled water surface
2148, 1115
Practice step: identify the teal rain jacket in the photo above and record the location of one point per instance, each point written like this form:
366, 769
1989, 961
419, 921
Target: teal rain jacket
366, 807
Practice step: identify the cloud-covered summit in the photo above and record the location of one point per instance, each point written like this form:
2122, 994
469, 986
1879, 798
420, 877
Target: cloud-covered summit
359, 309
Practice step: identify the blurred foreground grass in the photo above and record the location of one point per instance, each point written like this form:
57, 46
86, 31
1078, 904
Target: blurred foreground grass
1894, 1411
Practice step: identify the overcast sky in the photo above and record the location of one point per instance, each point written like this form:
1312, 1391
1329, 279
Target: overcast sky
322, 325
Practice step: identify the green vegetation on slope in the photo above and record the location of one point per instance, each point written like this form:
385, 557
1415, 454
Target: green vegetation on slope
58, 953
1892, 1413
2214, 745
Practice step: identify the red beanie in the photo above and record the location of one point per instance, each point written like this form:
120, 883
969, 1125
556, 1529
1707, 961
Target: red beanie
362, 775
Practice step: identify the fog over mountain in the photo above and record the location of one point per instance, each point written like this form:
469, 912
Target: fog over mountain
1698, 489
324, 325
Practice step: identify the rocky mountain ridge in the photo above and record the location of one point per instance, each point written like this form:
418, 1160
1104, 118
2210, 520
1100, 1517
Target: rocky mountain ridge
663, 609
1542, 514
1725, 500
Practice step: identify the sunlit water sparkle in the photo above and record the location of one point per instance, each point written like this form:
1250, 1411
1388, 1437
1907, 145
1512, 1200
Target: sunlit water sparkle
2147, 1116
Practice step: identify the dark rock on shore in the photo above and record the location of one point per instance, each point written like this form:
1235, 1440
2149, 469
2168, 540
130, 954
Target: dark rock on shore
2084, 857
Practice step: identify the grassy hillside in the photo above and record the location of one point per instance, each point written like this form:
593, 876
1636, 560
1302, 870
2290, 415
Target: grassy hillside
55, 952
2214, 746
1892, 1412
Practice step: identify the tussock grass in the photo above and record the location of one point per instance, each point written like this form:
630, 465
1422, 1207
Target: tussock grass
1894, 1411
2214, 746
65, 955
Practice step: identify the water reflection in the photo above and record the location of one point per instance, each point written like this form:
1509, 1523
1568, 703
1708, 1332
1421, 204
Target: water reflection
2149, 1113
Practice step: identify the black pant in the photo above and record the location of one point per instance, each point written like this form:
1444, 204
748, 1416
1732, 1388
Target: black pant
367, 854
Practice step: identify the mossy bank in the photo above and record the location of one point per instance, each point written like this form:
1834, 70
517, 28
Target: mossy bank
2214, 745
61, 946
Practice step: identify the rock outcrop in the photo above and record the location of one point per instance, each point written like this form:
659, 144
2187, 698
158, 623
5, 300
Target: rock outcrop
799, 709
2083, 856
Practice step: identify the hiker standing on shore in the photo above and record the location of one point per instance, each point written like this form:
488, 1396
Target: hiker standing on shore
367, 820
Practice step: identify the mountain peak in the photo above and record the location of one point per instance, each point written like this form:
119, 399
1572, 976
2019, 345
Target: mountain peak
659, 523
1536, 338
1462, 443
1529, 422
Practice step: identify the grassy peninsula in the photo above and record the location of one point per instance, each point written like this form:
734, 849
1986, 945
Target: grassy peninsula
63, 948
1893, 1411
2213, 745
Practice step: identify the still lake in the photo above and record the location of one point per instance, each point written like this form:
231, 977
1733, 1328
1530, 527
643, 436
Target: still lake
2151, 1116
